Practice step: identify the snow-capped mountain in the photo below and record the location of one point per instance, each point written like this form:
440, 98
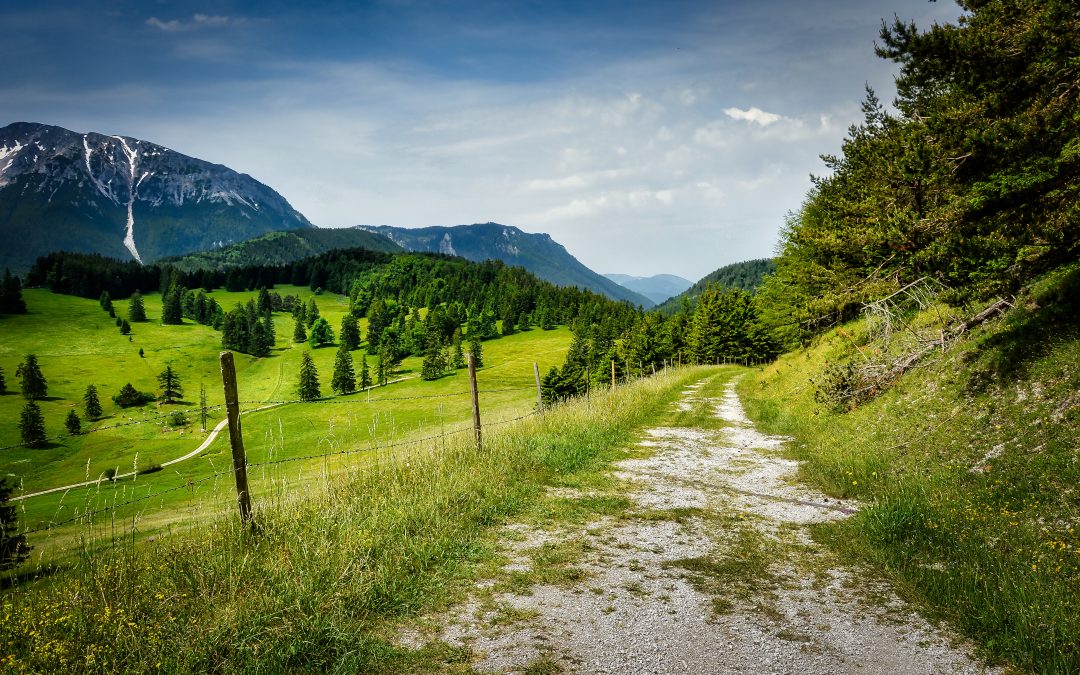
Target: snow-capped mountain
122, 197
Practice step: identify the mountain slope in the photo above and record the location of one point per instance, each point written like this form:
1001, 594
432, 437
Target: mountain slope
657, 288
122, 197
746, 275
279, 248
537, 253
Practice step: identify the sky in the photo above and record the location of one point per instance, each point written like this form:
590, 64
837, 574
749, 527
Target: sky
646, 137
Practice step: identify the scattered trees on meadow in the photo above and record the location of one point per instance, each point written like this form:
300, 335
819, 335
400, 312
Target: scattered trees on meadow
34, 385
308, 387
32, 426
91, 403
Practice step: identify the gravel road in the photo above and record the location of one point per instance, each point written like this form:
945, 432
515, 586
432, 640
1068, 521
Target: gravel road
657, 593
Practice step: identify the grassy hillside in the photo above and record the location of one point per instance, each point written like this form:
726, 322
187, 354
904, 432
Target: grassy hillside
77, 344
278, 248
336, 561
967, 468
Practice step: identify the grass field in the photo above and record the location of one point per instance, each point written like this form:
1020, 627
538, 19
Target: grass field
77, 344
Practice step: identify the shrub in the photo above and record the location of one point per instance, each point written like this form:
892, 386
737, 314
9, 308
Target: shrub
130, 397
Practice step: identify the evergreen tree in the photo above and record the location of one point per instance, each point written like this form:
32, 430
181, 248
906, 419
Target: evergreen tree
141, 353
344, 379
382, 369
11, 299
172, 309
298, 332
13, 546
32, 426
458, 357
119, 322
312, 313
477, 352
433, 366
34, 385
264, 304
378, 320
170, 384
365, 372
350, 332
129, 396
308, 387
105, 301
125, 327
321, 333
136, 308
73, 423
91, 404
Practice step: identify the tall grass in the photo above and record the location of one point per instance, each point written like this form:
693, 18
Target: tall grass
967, 473
331, 564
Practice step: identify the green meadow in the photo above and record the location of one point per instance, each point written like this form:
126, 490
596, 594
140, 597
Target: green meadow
77, 344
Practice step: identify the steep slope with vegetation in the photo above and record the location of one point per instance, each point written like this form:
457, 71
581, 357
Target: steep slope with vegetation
280, 248
966, 467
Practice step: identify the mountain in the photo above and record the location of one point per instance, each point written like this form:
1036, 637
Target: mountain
746, 275
280, 248
657, 288
538, 253
122, 197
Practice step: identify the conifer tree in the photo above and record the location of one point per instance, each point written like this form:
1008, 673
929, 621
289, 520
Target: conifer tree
344, 379
136, 308
298, 332
172, 308
433, 366
34, 385
11, 299
170, 384
350, 332
32, 426
264, 304
365, 372
308, 387
477, 352
125, 327
91, 404
458, 358
73, 423
383, 367
13, 546
105, 301
311, 314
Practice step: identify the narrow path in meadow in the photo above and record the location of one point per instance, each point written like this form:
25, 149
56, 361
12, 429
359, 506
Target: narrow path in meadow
708, 567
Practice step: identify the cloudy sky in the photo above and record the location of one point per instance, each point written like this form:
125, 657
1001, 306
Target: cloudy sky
648, 137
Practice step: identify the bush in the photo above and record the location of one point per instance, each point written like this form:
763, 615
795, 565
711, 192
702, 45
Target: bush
130, 397
178, 419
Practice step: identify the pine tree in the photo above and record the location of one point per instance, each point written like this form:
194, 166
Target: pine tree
308, 387
321, 333
344, 379
264, 303
32, 426
350, 332
141, 353
73, 423
365, 372
433, 366
11, 299
477, 352
13, 546
105, 301
34, 385
170, 384
91, 404
136, 308
298, 332
458, 358
382, 369
125, 327
311, 314
172, 308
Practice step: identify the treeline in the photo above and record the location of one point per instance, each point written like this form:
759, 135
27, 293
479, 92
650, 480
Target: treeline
746, 276
974, 180
87, 275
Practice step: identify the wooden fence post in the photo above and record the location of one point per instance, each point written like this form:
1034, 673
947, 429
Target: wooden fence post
236, 439
539, 391
612, 374
475, 402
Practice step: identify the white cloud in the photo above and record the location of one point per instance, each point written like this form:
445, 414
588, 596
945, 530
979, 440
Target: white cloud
197, 21
755, 115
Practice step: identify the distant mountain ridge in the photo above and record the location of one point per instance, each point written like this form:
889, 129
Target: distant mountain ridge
746, 275
281, 248
657, 288
123, 197
537, 253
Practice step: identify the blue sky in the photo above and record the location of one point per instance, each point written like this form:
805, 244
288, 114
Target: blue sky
663, 137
